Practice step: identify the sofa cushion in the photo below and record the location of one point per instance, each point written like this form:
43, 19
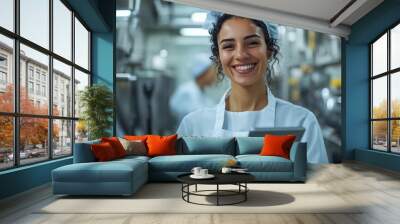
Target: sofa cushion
112, 171
277, 145
103, 152
257, 163
134, 147
249, 145
161, 145
83, 152
206, 145
185, 163
116, 145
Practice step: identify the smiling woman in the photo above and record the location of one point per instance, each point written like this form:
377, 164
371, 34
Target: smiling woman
245, 52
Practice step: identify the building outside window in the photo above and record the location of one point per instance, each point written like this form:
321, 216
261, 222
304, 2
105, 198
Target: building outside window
3, 78
43, 78
30, 72
37, 75
3, 60
3, 72
384, 92
43, 90
30, 87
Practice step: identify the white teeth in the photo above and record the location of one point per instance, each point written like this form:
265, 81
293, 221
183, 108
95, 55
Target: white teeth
245, 68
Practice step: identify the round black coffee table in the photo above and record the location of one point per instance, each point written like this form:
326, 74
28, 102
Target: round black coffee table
238, 179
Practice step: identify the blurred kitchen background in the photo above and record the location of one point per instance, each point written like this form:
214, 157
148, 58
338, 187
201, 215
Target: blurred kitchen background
159, 43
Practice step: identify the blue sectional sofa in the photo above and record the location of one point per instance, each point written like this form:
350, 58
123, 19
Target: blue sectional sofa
125, 176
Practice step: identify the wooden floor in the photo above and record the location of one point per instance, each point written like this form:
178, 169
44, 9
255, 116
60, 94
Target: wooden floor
378, 188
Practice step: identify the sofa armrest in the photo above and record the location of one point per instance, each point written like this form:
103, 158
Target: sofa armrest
298, 155
83, 152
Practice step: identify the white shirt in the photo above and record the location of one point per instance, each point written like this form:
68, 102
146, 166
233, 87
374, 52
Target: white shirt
217, 122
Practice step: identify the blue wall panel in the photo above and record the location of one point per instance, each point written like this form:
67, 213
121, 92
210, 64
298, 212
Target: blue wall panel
102, 59
24, 178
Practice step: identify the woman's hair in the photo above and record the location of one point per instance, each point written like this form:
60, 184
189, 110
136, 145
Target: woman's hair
272, 46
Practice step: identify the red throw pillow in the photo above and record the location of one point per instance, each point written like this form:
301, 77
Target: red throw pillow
277, 145
103, 152
116, 145
161, 145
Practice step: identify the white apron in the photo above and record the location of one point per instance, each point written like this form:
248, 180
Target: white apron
268, 120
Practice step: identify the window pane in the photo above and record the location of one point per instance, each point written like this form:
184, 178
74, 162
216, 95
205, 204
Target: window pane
81, 81
34, 72
62, 89
7, 14
33, 140
35, 21
81, 131
395, 94
6, 142
62, 29
379, 55
62, 138
379, 97
395, 47
81, 45
379, 135
6, 74
395, 136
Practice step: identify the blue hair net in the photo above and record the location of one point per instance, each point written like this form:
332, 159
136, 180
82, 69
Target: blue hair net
212, 17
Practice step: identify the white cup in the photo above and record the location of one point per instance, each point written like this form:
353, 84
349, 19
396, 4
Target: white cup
196, 171
226, 170
203, 172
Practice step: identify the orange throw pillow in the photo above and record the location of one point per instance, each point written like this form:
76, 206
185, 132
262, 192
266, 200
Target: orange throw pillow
161, 145
136, 137
277, 145
103, 152
116, 145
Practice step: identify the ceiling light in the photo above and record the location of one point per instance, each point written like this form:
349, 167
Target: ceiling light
123, 13
199, 17
194, 32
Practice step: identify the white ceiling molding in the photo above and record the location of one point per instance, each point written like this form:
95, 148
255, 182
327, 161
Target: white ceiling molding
362, 11
348, 12
340, 25
270, 15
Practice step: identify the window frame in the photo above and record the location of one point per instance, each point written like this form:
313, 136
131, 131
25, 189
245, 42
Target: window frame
388, 74
16, 114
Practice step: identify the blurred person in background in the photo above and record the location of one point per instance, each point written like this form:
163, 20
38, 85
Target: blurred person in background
190, 96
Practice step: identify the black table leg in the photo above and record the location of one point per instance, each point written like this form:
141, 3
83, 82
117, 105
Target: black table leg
245, 193
217, 194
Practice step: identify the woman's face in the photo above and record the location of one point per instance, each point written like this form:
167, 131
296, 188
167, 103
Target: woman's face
242, 52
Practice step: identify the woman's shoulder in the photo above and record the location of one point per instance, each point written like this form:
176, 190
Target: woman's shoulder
197, 123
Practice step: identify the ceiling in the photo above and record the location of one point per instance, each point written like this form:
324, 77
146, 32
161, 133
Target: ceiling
326, 16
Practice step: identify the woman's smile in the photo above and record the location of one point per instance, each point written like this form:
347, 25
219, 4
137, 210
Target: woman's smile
244, 69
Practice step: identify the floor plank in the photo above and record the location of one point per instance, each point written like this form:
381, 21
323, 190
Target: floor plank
377, 190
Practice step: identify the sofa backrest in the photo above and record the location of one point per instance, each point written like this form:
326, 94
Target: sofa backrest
253, 145
83, 152
249, 145
206, 145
